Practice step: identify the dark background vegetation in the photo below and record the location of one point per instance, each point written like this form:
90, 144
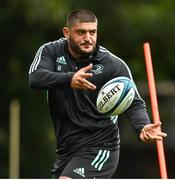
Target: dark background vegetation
124, 26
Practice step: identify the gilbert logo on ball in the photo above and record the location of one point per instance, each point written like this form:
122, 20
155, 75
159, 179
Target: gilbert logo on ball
115, 96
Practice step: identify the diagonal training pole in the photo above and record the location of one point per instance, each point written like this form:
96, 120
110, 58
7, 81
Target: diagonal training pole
154, 107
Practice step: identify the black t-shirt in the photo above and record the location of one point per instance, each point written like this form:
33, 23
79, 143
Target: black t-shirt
76, 120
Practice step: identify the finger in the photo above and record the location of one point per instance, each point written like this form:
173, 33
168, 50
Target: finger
85, 87
145, 138
157, 136
86, 75
155, 125
87, 68
152, 126
154, 137
162, 134
89, 85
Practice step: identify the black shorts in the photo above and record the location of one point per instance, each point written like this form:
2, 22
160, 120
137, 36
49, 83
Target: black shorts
87, 163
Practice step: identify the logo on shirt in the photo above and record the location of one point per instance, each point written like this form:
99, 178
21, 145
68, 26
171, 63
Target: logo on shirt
97, 69
61, 60
79, 171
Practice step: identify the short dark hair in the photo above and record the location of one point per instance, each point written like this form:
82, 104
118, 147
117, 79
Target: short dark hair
79, 16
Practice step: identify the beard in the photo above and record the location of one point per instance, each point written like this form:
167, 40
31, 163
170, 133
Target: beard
76, 48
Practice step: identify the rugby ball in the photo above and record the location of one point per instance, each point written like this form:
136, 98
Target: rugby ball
115, 96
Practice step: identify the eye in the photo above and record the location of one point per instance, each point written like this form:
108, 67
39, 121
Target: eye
81, 32
92, 32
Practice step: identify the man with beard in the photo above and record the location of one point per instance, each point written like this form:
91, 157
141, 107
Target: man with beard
73, 69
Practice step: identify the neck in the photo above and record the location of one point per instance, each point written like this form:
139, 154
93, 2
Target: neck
74, 54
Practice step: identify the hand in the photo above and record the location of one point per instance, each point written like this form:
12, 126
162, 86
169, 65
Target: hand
152, 132
79, 79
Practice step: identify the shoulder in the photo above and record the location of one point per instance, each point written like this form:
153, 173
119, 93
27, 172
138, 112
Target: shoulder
108, 56
53, 47
57, 43
114, 62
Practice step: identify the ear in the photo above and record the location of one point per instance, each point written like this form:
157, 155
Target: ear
66, 32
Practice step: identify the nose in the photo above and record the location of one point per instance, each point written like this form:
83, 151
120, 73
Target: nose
87, 37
